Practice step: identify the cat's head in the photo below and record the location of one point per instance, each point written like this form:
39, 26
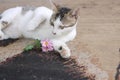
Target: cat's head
63, 19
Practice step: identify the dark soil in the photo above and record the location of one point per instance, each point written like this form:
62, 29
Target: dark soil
6, 42
37, 65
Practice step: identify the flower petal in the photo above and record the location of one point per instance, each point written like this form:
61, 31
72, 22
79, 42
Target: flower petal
47, 45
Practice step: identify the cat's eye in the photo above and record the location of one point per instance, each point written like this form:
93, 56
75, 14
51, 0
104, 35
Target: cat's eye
61, 27
52, 23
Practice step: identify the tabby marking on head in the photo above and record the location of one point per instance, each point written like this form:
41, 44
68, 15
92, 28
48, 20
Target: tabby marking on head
63, 17
62, 12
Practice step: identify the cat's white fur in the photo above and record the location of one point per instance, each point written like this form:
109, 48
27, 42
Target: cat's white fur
36, 25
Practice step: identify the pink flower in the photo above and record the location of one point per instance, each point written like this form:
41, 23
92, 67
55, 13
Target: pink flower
46, 45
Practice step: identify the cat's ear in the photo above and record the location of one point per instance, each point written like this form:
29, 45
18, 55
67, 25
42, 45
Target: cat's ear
75, 13
55, 7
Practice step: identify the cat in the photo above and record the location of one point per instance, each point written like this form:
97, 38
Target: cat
57, 24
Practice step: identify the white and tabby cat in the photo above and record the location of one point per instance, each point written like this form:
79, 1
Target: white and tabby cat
58, 25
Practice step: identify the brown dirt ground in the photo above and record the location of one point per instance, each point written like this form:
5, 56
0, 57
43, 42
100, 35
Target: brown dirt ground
98, 30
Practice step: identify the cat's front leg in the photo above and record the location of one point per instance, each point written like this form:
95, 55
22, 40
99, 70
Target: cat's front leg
62, 48
35, 22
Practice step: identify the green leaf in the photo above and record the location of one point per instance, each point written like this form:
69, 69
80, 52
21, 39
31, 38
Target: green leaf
29, 47
37, 43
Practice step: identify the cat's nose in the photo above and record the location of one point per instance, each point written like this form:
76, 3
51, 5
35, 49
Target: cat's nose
54, 33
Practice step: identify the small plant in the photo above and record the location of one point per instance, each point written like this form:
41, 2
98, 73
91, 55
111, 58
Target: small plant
46, 45
28, 47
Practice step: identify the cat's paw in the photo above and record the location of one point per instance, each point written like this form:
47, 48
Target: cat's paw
62, 48
64, 52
